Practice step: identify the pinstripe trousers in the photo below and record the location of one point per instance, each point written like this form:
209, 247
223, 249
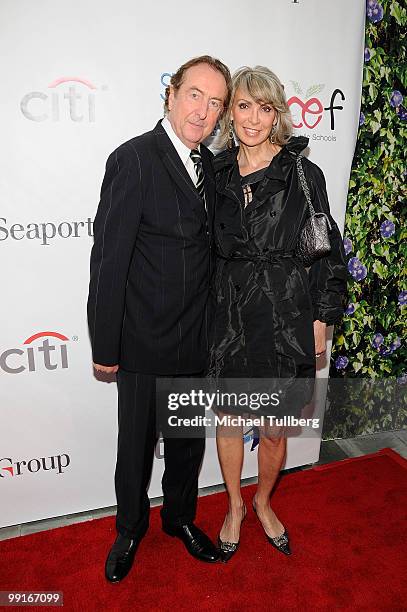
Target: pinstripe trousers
137, 438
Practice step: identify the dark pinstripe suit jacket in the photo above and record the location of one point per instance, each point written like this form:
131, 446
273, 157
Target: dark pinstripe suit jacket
151, 260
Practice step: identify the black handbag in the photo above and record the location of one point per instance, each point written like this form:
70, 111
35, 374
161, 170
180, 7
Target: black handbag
313, 242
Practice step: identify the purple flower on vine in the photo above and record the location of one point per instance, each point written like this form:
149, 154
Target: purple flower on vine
368, 55
377, 340
374, 11
341, 363
396, 98
357, 269
387, 229
350, 309
402, 299
395, 345
362, 119
401, 112
347, 245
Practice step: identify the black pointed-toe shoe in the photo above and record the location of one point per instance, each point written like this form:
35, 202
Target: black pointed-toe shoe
195, 541
281, 542
227, 549
120, 558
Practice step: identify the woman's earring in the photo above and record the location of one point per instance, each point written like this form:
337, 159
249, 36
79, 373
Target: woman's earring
231, 136
273, 131
216, 129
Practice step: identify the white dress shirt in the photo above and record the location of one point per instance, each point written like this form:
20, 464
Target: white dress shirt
182, 150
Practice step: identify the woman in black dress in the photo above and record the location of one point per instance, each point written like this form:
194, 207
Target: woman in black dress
271, 314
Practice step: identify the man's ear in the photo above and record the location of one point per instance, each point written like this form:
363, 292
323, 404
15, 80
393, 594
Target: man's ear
171, 97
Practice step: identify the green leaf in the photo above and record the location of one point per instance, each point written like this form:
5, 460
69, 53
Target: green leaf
314, 89
297, 87
380, 269
399, 13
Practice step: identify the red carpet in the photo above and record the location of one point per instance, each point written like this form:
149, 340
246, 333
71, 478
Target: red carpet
347, 526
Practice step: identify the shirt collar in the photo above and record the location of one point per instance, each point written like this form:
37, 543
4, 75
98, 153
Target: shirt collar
182, 150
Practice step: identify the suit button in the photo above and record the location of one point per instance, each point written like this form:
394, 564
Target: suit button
222, 226
272, 213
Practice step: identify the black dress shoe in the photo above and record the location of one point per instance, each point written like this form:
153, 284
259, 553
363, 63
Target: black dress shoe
196, 542
120, 558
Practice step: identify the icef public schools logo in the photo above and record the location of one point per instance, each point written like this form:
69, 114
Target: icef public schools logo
10, 468
71, 98
49, 354
307, 109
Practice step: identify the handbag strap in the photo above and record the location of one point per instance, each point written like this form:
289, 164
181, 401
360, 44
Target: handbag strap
304, 183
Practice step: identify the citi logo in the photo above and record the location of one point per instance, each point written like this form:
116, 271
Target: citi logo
67, 97
48, 355
10, 468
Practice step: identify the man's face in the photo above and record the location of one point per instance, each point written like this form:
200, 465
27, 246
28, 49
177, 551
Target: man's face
198, 103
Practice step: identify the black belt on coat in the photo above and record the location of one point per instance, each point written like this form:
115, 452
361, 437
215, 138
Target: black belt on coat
260, 261
259, 257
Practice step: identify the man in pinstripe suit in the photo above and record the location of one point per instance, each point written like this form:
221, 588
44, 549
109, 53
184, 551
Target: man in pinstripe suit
148, 298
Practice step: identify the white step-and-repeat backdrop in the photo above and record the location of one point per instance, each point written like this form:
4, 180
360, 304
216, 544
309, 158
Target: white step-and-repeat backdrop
79, 79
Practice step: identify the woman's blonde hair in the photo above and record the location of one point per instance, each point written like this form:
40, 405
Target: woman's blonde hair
266, 88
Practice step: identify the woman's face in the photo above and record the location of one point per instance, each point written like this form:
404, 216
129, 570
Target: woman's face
252, 121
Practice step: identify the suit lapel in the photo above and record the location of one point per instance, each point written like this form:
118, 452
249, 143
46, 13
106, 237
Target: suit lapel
176, 168
210, 190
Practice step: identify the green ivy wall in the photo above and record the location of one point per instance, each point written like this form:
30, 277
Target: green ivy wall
370, 342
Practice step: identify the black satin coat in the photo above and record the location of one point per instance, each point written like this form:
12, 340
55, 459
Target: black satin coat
266, 301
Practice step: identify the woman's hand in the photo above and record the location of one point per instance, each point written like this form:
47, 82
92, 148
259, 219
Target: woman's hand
320, 338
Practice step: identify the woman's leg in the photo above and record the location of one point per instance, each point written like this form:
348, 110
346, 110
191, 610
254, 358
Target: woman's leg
271, 454
229, 441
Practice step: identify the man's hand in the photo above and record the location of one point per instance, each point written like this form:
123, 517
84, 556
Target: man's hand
320, 337
106, 369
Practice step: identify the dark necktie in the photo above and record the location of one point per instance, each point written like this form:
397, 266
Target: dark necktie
197, 159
